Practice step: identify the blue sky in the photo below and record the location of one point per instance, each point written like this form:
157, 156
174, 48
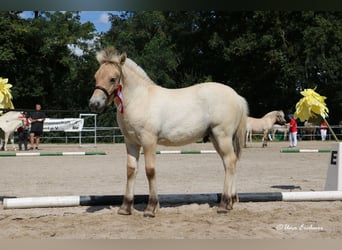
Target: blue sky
98, 18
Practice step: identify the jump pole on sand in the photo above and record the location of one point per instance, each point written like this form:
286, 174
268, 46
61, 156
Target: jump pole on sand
160, 152
305, 150
165, 199
333, 192
11, 154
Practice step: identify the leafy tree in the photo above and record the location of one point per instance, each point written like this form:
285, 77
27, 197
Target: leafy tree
142, 35
266, 56
39, 61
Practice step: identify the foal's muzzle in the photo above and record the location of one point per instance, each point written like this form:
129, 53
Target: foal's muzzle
97, 103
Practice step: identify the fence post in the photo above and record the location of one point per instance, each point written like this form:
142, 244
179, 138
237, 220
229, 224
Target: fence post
88, 129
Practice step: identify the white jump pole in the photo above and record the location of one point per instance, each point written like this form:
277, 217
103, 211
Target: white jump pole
184, 152
10, 154
312, 196
305, 151
42, 202
333, 192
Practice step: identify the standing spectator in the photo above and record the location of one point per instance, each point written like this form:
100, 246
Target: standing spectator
324, 127
293, 131
23, 132
37, 119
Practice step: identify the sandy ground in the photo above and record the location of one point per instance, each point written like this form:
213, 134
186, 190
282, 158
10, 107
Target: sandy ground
259, 170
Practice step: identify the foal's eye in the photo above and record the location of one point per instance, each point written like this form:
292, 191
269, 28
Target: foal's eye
112, 80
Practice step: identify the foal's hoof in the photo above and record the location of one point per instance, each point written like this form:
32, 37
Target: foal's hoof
124, 212
151, 209
222, 210
227, 204
149, 215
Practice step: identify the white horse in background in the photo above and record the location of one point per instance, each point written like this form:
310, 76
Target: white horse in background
309, 130
149, 114
280, 128
264, 125
9, 123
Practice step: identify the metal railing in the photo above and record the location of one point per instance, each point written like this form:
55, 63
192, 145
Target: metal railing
102, 135
307, 133
113, 135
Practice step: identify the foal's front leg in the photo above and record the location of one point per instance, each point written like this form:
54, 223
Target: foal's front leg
153, 203
133, 152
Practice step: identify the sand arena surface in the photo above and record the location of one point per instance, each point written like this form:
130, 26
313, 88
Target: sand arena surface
259, 170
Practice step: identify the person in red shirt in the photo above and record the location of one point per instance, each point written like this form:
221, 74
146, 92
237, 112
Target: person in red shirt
293, 131
324, 127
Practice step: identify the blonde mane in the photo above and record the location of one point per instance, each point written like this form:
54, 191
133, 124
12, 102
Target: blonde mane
111, 55
136, 68
108, 55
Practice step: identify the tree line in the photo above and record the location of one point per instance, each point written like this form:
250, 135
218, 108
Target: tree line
266, 56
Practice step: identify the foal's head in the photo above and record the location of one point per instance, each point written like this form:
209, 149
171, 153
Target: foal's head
108, 77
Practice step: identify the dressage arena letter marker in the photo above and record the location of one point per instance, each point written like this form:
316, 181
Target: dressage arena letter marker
334, 175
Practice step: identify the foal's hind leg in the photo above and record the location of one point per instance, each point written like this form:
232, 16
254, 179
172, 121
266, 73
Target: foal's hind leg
153, 203
225, 149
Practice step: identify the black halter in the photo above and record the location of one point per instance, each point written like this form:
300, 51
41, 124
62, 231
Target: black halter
115, 91
106, 92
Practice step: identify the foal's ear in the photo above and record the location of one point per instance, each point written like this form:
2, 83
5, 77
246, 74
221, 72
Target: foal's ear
123, 57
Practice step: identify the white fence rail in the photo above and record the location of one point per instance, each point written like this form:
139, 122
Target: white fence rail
308, 133
113, 135
103, 134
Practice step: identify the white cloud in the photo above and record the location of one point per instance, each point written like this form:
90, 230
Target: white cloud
26, 14
75, 50
104, 18
99, 18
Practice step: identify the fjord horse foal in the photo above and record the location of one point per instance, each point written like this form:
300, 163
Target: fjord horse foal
149, 114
